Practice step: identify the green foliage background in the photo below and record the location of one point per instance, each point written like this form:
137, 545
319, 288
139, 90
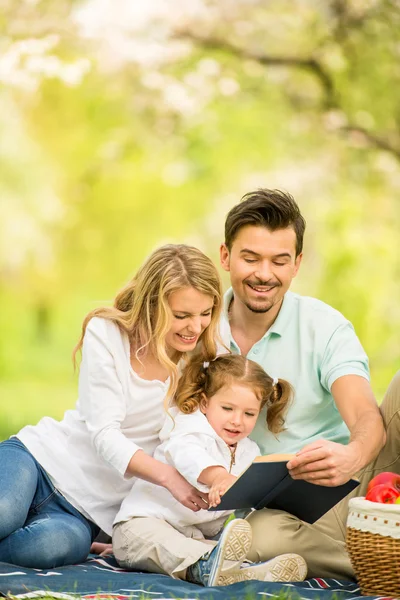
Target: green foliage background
101, 164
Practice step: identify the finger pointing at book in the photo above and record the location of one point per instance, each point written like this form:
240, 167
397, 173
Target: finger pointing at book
218, 480
219, 487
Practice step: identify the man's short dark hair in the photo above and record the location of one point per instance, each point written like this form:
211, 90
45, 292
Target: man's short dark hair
272, 209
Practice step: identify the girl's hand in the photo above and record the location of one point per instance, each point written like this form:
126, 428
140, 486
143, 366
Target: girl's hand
219, 487
185, 493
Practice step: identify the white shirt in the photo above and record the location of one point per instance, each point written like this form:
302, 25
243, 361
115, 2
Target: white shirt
190, 444
117, 413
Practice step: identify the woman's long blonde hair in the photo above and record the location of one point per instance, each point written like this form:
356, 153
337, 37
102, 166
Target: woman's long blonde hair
142, 311
200, 380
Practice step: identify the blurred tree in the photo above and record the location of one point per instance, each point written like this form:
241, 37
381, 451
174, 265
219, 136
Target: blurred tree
125, 125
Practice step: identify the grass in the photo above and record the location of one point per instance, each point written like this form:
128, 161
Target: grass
25, 402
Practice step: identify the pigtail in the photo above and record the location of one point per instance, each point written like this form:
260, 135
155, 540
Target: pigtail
201, 380
279, 399
191, 386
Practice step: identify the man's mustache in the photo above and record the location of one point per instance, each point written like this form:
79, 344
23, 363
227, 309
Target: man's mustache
260, 283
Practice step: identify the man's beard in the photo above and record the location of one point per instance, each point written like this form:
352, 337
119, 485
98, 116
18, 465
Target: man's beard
262, 309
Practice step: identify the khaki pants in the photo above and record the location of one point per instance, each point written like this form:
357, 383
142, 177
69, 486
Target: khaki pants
149, 544
322, 544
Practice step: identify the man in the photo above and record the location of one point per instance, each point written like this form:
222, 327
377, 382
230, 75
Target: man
333, 425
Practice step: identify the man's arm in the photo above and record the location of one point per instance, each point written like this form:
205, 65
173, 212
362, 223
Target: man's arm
329, 463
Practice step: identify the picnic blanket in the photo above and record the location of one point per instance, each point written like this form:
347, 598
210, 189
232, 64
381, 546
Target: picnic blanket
102, 578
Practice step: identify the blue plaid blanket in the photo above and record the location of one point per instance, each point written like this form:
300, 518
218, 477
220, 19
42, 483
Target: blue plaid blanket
102, 578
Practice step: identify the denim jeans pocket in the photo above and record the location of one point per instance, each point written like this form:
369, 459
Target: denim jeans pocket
41, 502
45, 491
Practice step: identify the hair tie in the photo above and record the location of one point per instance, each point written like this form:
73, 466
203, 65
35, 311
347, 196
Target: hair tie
206, 365
275, 380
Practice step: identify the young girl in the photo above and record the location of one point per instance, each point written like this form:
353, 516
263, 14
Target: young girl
62, 481
217, 405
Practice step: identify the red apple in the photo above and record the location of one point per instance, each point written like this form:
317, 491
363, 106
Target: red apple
385, 478
385, 493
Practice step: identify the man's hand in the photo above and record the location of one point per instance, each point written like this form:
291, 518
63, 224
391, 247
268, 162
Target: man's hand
185, 493
219, 486
326, 463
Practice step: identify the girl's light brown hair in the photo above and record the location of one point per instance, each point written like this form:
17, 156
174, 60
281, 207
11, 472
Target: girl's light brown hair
199, 380
142, 311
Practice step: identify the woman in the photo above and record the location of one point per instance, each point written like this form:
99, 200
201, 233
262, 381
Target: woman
62, 481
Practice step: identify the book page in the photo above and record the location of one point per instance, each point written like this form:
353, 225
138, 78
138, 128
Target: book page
274, 458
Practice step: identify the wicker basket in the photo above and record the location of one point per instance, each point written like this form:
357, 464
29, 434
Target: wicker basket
373, 543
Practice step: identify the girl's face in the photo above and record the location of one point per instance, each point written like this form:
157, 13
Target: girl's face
232, 412
191, 315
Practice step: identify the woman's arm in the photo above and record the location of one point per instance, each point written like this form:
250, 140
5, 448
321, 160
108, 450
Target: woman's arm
102, 403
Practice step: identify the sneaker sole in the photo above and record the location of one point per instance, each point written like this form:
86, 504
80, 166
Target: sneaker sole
235, 577
286, 567
234, 547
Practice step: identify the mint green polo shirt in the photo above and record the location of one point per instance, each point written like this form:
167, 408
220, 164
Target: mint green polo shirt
310, 344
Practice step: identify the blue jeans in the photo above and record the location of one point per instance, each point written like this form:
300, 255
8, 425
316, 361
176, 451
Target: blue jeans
39, 528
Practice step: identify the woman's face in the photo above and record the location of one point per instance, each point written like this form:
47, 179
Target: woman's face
191, 315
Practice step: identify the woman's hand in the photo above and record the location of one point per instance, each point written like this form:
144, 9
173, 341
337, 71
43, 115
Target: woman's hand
101, 549
219, 486
185, 493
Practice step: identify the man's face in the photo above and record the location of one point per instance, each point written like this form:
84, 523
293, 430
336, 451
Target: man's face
262, 264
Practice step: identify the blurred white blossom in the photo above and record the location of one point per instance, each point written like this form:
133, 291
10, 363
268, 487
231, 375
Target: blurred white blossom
29, 210
24, 63
127, 31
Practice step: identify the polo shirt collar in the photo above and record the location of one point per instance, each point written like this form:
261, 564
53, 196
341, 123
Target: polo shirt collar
281, 321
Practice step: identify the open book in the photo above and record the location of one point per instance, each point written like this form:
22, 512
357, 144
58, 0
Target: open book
266, 483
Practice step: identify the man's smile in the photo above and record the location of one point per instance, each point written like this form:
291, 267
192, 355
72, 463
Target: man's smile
261, 289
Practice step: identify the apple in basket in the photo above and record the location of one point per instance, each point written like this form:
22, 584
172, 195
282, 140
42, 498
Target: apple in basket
384, 488
386, 477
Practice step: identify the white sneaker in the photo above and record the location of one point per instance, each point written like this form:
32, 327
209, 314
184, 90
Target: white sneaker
221, 566
285, 567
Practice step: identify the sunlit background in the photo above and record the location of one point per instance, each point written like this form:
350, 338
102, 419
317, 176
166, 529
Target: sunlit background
124, 125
